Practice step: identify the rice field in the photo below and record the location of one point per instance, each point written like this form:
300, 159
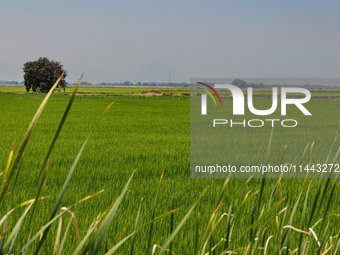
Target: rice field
151, 135
98, 89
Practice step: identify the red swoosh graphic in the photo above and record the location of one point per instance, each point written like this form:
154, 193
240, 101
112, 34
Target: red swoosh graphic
208, 86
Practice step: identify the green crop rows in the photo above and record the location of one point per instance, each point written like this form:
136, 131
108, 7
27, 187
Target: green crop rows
150, 135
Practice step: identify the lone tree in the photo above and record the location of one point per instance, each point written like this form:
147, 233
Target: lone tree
42, 74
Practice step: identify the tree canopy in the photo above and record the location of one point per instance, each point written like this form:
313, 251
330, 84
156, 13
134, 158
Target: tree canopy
243, 84
239, 83
40, 75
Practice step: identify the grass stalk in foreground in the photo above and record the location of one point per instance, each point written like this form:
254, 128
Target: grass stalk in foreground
67, 181
135, 228
42, 174
9, 175
153, 214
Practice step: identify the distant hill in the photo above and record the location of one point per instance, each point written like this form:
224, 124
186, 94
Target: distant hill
10, 82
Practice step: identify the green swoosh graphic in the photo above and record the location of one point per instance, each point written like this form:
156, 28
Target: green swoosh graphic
209, 94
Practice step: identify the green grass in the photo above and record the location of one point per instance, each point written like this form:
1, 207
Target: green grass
17, 88
98, 89
151, 136
102, 89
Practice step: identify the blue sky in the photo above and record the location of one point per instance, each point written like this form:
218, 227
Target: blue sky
118, 40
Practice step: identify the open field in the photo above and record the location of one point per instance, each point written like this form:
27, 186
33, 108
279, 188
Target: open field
98, 89
104, 89
150, 135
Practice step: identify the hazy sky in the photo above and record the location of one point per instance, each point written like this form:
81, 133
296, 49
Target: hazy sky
117, 39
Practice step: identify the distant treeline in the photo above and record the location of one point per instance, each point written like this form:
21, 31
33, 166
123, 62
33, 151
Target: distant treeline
10, 82
123, 83
128, 83
243, 84
237, 82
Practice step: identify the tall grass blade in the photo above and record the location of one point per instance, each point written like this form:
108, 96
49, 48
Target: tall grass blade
285, 242
67, 181
227, 236
153, 215
172, 220
74, 220
212, 234
104, 226
209, 229
303, 154
9, 161
16, 229
135, 228
39, 233
290, 222
260, 219
251, 223
87, 236
64, 238
20, 205
329, 177
13, 242
330, 198
197, 233
323, 238
317, 195
262, 238
264, 178
330, 150
174, 233
106, 249
303, 218
2, 241
115, 248
56, 206
246, 200
220, 197
276, 187
239, 190
29, 131
88, 197
25, 249
18, 172
42, 174
336, 245
218, 203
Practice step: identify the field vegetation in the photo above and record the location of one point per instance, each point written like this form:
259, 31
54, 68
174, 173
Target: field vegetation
103, 90
151, 136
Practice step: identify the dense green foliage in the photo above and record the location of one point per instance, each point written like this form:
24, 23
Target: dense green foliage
149, 135
42, 74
